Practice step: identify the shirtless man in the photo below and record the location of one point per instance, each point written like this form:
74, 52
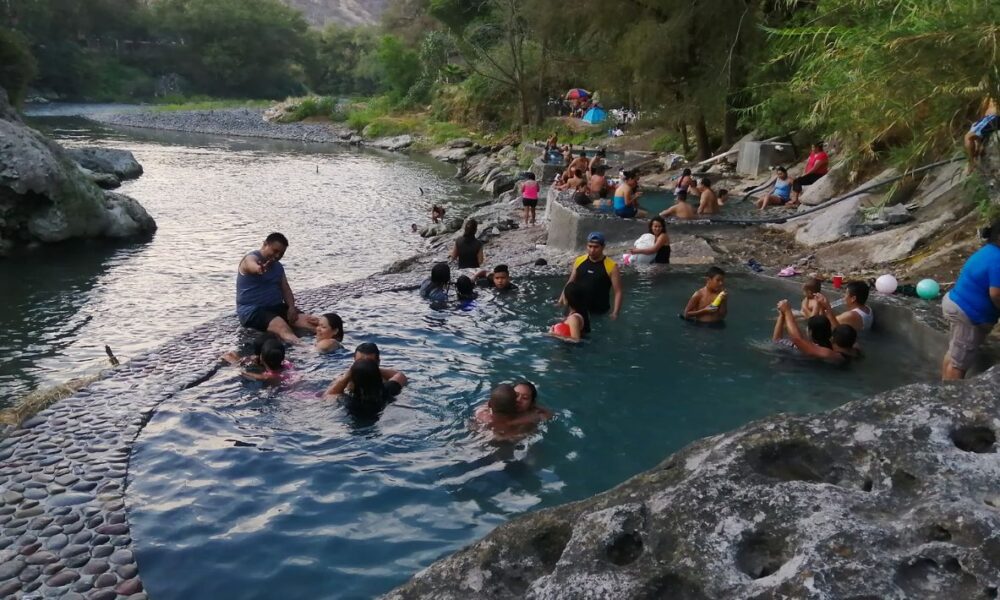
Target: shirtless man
681, 209
597, 187
579, 162
708, 203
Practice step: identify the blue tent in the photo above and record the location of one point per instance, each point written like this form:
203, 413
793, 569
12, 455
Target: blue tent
595, 115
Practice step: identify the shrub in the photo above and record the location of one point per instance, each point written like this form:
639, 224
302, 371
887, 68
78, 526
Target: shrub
17, 65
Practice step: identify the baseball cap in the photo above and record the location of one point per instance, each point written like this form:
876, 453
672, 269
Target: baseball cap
596, 237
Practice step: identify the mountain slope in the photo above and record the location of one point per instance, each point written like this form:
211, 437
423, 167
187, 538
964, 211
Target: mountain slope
350, 13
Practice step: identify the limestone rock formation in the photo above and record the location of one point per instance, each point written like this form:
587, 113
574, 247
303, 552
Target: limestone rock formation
893, 497
120, 163
44, 197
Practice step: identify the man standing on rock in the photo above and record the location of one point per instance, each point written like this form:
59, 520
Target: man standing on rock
264, 300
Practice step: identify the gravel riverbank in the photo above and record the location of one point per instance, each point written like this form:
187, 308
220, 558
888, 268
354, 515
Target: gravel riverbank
246, 122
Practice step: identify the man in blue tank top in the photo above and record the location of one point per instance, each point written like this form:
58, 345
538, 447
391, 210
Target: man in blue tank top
264, 300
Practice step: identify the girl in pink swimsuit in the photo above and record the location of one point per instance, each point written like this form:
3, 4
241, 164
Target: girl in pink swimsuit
529, 197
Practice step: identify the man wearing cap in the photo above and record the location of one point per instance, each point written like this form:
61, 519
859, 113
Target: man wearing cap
598, 275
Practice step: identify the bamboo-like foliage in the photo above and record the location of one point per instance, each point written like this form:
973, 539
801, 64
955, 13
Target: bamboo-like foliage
905, 75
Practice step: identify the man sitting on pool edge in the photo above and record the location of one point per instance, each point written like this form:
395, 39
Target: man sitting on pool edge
264, 300
499, 279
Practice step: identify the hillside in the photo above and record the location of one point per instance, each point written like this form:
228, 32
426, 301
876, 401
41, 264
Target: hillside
351, 13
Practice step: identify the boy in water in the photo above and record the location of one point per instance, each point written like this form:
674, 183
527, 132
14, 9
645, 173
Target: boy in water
810, 304
709, 304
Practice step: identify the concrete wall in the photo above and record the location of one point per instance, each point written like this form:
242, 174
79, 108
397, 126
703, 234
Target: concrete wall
545, 172
569, 225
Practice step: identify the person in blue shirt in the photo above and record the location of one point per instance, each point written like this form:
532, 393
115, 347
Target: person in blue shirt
264, 300
972, 307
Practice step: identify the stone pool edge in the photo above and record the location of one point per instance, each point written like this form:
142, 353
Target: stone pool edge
64, 474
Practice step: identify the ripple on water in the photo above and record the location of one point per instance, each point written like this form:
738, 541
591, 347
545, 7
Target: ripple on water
346, 213
228, 475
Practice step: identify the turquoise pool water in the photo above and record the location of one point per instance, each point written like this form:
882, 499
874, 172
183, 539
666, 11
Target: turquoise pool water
241, 492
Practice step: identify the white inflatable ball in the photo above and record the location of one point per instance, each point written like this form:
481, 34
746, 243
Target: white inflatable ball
886, 284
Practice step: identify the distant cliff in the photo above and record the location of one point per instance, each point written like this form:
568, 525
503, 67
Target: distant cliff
351, 13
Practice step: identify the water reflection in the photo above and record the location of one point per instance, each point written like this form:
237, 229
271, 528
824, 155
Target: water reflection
346, 212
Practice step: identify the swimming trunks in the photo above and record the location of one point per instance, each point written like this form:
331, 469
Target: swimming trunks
595, 279
626, 213
985, 126
259, 317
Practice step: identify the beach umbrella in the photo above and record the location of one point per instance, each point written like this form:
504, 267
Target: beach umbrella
577, 94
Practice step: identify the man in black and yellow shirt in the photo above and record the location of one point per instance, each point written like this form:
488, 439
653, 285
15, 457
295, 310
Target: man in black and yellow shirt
598, 275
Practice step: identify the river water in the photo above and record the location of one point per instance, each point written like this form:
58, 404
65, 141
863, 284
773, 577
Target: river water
346, 212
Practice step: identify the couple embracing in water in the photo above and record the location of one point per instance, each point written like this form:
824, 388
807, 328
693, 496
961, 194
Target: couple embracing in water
512, 411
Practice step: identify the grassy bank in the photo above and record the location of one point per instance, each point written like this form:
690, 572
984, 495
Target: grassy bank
177, 103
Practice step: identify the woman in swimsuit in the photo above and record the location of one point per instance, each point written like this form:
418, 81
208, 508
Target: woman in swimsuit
782, 191
626, 201
684, 182
577, 315
329, 332
661, 249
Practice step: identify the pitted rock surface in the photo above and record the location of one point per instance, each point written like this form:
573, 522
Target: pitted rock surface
893, 497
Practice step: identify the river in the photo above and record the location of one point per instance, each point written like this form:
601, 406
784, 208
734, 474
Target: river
347, 214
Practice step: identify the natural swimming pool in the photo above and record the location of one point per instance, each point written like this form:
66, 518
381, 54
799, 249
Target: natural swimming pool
255, 493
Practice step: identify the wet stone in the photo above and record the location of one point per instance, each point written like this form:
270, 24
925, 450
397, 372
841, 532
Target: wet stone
53, 568
60, 511
32, 586
121, 540
82, 585
82, 537
72, 596
30, 573
11, 497
67, 480
117, 517
95, 521
42, 477
55, 489
74, 550
7, 510
127, 588
32, 422
69, 499
36, 493
73, 527
57, 542
103, 595
31, 548
127, 571
115, 505
68, 518
40, 522
121, 557
102, 551
105, 580
17, 523
50, 461
26, 513
42, 558
52, 530
11, 568
75, 562
8, 588
4, 519
86, 486
33, 485
89, 511
100, 539
94, 567
61, 579
113, 529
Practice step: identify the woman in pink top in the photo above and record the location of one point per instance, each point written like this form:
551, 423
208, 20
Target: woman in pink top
817, 166
529, 197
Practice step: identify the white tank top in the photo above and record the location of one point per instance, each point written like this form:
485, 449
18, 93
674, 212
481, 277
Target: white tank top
867, 318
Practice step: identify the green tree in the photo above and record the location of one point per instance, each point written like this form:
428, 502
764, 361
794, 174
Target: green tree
400, 66
905, 74
250, 47
17, 65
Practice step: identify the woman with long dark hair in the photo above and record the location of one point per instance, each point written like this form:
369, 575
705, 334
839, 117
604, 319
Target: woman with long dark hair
468, 250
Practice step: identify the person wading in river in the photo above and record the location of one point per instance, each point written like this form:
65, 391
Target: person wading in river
264, 300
